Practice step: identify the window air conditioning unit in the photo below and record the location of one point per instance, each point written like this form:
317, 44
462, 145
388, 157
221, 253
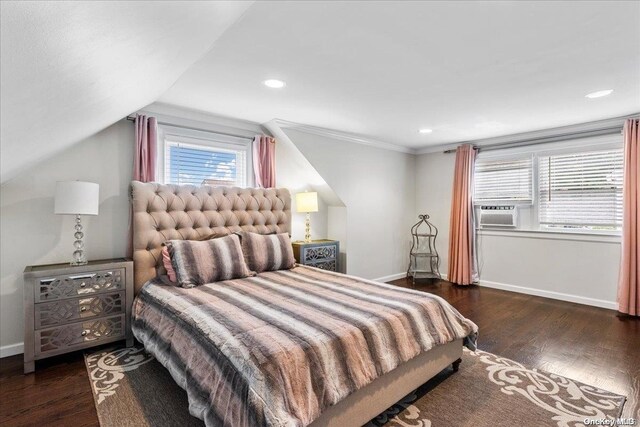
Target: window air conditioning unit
498, 216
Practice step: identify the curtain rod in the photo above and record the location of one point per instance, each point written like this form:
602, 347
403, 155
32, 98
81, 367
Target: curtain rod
132, 119
545, 139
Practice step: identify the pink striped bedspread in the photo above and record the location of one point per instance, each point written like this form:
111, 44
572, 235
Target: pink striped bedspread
279, 348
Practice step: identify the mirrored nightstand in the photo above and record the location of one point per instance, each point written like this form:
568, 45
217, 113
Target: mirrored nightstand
322, 253
68, 308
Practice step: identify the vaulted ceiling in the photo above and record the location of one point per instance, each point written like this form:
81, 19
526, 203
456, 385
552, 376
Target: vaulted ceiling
467, 70
70, 69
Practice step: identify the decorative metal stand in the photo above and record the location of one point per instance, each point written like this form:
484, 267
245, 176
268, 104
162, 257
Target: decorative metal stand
424, 260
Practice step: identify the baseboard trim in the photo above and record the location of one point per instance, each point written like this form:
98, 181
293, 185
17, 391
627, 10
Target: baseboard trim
11, 350
390, 277
611, 305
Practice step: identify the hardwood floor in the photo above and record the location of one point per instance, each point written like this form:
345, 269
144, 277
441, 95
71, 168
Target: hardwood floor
588, 344
57, 394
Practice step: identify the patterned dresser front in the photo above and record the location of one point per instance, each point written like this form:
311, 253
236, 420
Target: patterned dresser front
318, 253
69, 308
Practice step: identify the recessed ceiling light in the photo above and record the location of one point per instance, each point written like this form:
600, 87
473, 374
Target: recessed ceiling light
599, 94
425, 130
274, 83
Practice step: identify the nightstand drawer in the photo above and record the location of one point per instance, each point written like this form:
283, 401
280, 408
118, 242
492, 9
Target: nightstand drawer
322, 253
329, 265
78, 285
82, 334
318, 253
70, 310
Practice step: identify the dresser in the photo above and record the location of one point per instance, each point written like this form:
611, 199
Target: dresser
68, 308
318, 253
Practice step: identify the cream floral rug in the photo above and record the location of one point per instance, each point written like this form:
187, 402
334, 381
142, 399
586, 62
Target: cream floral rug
132, 389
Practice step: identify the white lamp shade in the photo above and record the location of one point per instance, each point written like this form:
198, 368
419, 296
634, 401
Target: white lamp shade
307, 202
77, 198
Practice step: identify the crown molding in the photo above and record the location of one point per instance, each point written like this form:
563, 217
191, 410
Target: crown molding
174, 115
556, 132
439, 148
343, 136
183, 115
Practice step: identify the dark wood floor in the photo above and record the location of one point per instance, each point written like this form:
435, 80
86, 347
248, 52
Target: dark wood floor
588, 344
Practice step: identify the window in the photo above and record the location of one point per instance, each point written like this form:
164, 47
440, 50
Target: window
572, 185
581, 190
197, 157
503, 180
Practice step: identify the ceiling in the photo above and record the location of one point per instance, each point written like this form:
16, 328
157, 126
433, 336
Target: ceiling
70, 69
467, 70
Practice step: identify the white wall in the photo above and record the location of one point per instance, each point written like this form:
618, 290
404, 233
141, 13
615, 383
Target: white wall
32, 234
294, 172
377, 188
434, 180
569, 267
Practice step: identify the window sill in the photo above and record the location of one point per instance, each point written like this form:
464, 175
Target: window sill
554, 235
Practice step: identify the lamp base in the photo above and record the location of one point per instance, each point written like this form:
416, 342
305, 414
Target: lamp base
307, 228
78, 254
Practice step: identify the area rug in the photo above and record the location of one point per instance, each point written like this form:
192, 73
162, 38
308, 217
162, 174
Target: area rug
132, 389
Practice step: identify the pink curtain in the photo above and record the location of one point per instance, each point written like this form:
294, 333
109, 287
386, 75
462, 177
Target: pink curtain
144, 166
144, 161
629, 279
462, 264
264, 161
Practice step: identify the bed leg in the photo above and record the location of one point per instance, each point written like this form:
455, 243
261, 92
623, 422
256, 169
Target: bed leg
456, 365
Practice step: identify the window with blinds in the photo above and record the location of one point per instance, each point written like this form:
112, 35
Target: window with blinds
503, 180
581, 190
188, 163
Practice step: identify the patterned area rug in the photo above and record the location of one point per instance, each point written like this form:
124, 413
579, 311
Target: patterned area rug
132, 389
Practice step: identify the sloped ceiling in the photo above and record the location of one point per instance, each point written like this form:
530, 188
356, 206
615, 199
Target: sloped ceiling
467, 70
70, 69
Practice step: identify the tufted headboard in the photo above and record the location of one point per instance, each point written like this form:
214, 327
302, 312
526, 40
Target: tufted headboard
164, 212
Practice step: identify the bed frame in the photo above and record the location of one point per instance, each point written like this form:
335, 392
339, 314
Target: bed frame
184, 212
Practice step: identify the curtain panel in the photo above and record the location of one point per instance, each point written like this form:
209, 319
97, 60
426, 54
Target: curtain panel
462, 268
264, 161
144, 160
629, 278
144, 166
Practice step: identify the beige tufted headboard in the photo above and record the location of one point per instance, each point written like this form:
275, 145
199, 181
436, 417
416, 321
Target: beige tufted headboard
164, 212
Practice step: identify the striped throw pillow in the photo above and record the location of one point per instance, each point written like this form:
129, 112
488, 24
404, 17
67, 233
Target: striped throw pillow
267, 252
200, 262
166, 262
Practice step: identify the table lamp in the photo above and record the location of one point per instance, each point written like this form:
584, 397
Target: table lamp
307, 202
77, 198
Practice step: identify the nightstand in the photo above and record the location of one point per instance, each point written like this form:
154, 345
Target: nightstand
317, 253
68, 308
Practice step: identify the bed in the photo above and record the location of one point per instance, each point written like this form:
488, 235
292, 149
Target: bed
291, 347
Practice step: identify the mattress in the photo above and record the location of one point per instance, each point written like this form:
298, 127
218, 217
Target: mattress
279, 348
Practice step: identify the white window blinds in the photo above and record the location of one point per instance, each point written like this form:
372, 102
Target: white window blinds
203, 164
503, 180
581, 190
